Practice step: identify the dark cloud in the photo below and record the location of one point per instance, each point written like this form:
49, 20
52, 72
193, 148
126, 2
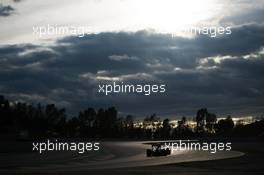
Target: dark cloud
6, 10
223, 74
247, 16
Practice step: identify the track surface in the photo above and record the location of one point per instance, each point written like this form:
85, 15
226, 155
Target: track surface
111, 155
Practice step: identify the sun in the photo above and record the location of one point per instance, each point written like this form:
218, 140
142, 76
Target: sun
172, 15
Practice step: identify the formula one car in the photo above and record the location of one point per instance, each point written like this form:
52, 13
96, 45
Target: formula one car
157, 149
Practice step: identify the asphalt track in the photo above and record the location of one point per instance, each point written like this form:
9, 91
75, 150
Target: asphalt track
111, 155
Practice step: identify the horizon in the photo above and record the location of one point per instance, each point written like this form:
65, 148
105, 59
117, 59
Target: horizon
141, 118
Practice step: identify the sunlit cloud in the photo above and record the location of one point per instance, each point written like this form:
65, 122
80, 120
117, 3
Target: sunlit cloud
163, 16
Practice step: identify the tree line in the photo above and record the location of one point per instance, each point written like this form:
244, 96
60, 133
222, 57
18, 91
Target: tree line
23, 120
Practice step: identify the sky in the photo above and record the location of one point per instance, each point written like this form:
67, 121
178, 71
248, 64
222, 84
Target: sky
136, 41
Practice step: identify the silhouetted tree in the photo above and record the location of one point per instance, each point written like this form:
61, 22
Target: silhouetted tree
210, 122
129, 122
73, 127
87, 118
201, 119
50, 121
226, 125
166, 128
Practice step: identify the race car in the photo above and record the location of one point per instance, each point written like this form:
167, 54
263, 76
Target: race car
157, 149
